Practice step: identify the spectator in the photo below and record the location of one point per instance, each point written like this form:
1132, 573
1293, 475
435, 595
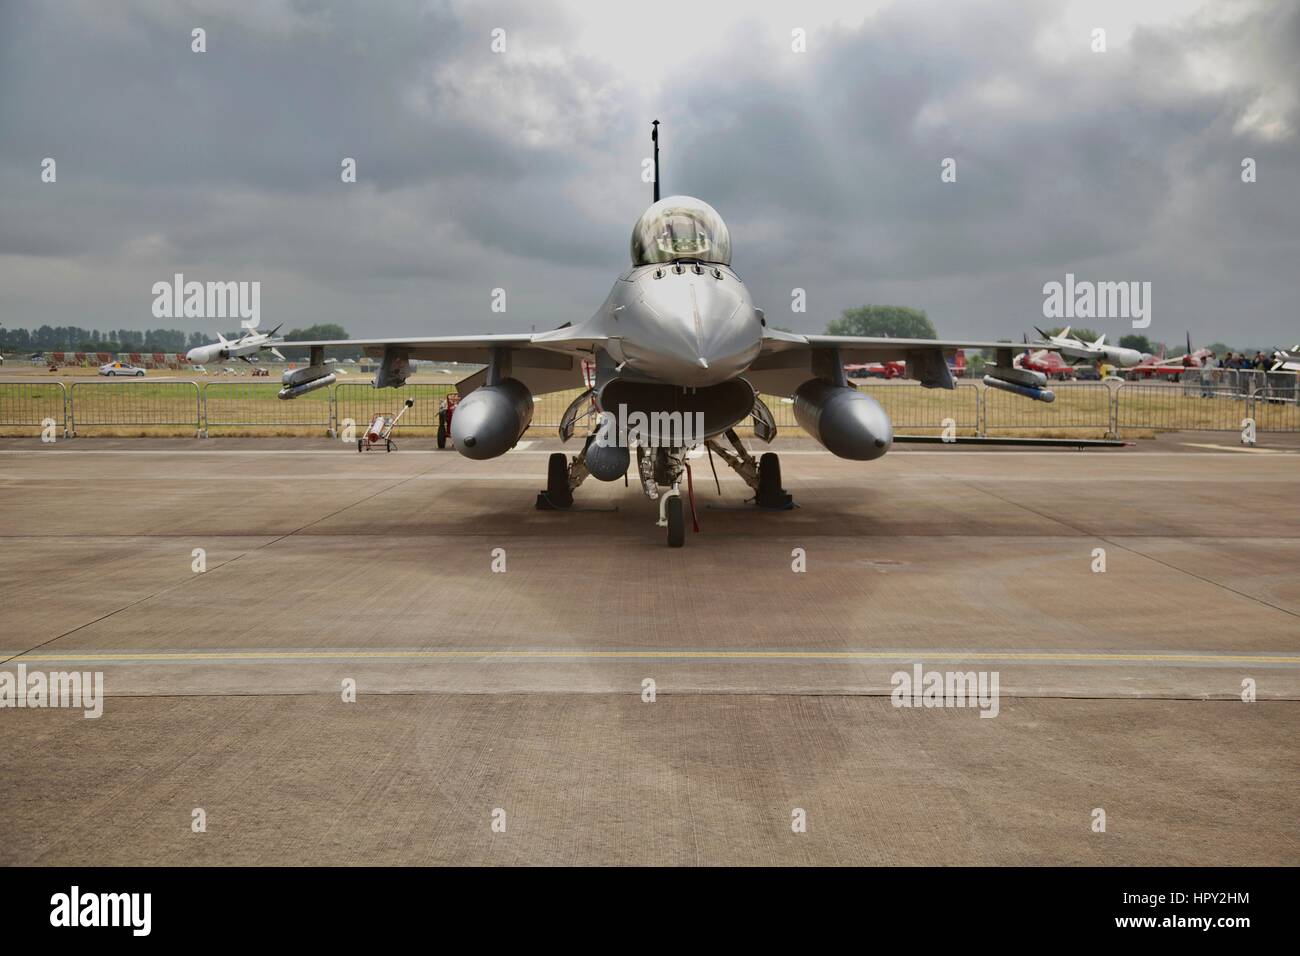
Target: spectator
1207, 375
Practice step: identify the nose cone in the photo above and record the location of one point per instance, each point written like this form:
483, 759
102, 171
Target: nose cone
693, 329
1129, 357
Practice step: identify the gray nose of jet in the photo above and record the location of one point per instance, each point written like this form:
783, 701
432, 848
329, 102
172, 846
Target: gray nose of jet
700, 329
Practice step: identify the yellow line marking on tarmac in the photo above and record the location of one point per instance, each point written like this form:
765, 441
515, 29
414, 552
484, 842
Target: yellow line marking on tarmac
935, 654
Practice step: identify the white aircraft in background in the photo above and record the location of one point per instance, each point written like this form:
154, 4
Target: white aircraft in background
1286, 361
1075, 349
249, 343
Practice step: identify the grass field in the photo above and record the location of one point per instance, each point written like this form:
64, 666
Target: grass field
174, 404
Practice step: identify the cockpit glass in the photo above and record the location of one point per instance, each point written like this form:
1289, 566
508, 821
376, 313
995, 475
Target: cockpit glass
680, 227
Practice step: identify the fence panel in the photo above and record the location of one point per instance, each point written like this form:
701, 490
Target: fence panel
34, 403
1083, 405
141, 402
360, 402
1276, 409
1241, 381
548, 409
1172, 408
254, 404
915, 410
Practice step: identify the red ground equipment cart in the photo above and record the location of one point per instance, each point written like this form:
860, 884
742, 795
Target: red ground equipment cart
381, 430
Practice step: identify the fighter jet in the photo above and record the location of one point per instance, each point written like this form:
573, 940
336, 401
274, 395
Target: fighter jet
1076, 350
248, 344
680, 355
1286, 361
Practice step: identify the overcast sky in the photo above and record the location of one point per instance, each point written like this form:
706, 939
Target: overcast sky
522, 169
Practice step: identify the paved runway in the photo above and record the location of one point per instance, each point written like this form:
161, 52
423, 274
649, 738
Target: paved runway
522, 691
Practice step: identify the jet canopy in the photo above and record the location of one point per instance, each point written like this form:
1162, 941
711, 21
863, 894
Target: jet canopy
680, 227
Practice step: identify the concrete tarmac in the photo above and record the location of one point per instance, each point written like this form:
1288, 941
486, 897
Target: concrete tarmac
518, 695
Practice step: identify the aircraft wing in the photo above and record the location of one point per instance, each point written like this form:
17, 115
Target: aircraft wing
544, 361
788, 359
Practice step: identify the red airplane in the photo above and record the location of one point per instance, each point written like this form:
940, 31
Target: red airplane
1049, 363
1172, 368
897, 369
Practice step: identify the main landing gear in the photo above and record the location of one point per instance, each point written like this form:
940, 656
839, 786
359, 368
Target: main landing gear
667, 469
763, 476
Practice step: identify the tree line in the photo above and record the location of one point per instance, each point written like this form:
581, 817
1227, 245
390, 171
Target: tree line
72, 338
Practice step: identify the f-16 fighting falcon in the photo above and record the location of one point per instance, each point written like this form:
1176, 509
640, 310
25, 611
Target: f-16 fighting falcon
678, 339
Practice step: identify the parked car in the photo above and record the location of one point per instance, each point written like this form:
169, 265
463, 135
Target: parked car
121, 368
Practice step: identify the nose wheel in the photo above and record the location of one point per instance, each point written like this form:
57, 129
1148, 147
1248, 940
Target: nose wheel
673, 517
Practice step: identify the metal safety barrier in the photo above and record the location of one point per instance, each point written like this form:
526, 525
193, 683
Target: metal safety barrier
549, 409
915, 409
1194, 404
358, 403
258, 405
1171, 408
1084, 405
34, 404
140, 402
1276, 409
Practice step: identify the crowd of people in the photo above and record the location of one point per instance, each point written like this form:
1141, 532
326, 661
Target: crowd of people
1238, 360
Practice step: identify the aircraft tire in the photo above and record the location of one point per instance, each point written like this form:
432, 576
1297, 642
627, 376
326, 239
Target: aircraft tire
676, 522
557, 481
769, 478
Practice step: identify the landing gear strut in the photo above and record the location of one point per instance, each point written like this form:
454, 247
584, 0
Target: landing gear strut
666, 468
562, 476
763, 476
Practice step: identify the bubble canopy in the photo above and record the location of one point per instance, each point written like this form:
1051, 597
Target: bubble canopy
680, 227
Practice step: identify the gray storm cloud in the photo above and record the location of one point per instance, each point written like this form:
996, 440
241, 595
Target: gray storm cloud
522, 170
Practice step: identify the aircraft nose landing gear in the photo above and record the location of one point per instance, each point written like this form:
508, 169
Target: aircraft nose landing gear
673, 517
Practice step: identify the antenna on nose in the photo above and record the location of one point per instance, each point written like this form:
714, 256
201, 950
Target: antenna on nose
654, 136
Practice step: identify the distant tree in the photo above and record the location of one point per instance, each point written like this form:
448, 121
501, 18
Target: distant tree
1218, 348
321, 332
1139, 342
894, 321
